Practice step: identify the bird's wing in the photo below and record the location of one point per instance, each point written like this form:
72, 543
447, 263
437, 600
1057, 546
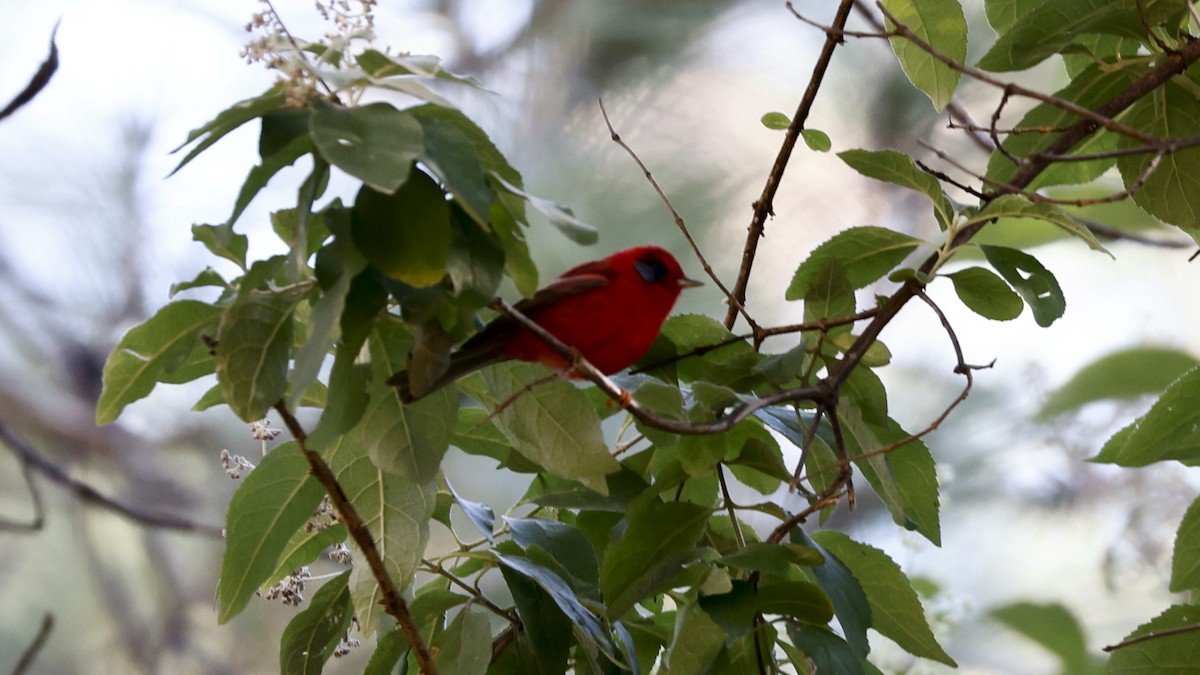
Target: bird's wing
564, 287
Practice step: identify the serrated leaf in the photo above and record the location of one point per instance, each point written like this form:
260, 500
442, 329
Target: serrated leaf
222, 241
272, 502
895, 608
775, 559
554, 424
656, 532
557, 215
159, 345
1169, 430
465, 648
1185, 558
1124, 374
253, 343
845, 591
941, 24
1170, 653
1048, 30
205, 278
394, 509
1033, 282
1170, 193
375, 143
406, 439
801, 600
311, 637
986, 294
1016, 206
897, 168
865, 255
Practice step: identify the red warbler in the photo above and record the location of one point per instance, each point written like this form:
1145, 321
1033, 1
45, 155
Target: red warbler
609, 310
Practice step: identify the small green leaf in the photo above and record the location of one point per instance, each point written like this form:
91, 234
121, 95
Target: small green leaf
375, 143
801, 600
1169, 430
942, 25
271, 164
311, 637
271, 504
696, 643
406, 235
1035, 284
829, 295
845, 591
895, 608
465, 648
1170, 193
205, 278
775, 559
657, 531
816, 140
1050, 28
1173, 651
776, 120
480, 515
553, 425
865, 255
557, 215
253, 343
898, 168
1124, 374
986, 294
1185, 560
566, 543
159, 345
222, 241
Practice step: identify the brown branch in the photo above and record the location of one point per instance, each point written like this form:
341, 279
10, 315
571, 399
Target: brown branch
34, 647
90, 495
39, 81
393, 603
765, 205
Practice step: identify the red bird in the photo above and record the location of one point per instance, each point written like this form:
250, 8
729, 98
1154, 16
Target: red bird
610, 310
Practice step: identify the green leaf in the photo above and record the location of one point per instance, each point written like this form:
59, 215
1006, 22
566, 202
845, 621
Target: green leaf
1185, 561
1170, 430
801, 600
222, 241
850, 602
394, 509
942, 25
480, 515
230, 119
657, 532
775, 559
375, 143
776, 120
1052, 626
554, 424
1172, 192
895, 608
565, 543
324, 328
865, 255
1124, 374
205, 278
898, 168
406, 235
557, 215
411, 439
544, 644
1052, 27
466, 646
696, 642
829, 296
986, 294
253, 342
816, 140
1033, 282
311, 637
1016, 206
1168, 653
1002, 14
158, 346
475, 436
827, 652
271, 164
271, 504
1091, 88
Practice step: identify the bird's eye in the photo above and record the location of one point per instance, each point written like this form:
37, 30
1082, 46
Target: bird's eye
651, 270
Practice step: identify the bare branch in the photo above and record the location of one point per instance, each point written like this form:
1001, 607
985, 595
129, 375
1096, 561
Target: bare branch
39, 81
34, 647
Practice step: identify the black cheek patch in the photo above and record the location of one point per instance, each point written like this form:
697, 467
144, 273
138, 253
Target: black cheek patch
650, 270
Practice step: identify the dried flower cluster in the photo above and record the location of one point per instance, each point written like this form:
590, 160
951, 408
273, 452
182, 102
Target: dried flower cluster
290, 589
234, 465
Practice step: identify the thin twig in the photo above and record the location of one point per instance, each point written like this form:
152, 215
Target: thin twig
34, 647
39, 80
764, 206
393, 603
90, 495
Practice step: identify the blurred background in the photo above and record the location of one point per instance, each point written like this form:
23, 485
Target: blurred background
92, 235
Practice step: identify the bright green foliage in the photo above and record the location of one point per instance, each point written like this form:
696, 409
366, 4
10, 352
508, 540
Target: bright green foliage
1175, 652
621, 560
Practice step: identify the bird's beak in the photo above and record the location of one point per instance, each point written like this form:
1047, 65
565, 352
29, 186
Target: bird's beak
689, 283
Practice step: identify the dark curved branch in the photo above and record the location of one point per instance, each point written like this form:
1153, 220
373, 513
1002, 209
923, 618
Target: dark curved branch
39, 81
